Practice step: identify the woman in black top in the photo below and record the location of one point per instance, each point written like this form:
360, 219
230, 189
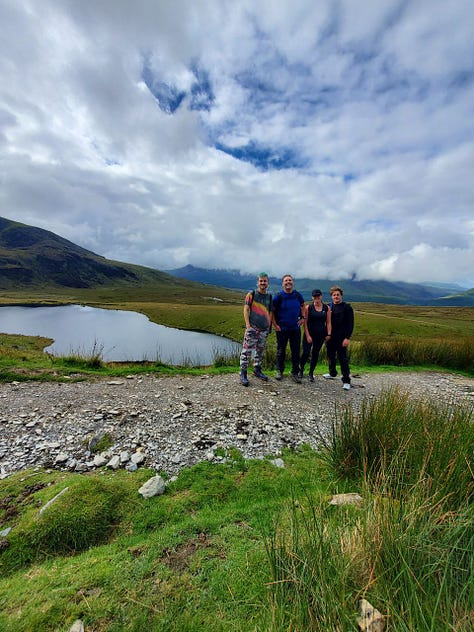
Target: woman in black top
317, 329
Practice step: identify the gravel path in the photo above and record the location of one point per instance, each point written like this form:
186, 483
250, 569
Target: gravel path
171, 422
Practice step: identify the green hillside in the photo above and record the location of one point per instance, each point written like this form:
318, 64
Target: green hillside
38, 263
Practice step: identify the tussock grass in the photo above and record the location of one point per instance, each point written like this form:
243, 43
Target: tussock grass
85, 514
448, 353
243, 545
409, 548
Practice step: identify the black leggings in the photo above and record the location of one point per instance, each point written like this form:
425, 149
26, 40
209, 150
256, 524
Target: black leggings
312, 348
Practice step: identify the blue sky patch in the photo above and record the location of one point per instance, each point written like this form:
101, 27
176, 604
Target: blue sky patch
265, 158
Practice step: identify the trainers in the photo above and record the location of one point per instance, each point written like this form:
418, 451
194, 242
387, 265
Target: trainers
243, 378
278, 375
296, 378
258, 373
346, 387
311, 377
328, 376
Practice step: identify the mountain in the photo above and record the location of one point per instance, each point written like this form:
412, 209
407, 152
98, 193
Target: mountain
35, 259
359, 291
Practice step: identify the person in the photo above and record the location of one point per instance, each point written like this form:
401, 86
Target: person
257, 317
342, 326
317, 329
288, 316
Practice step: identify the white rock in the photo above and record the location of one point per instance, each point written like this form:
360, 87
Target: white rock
154, 486
99, 460
114, 463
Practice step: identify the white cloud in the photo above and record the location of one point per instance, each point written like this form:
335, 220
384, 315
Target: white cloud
349, 146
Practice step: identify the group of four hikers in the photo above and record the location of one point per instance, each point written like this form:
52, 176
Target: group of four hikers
287, 313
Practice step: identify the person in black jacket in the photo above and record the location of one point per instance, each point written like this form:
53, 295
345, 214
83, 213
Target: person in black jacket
342, 326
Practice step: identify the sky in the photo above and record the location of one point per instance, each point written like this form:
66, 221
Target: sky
320, 138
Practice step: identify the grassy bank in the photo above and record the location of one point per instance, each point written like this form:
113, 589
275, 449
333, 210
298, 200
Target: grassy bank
246, 546
384, 336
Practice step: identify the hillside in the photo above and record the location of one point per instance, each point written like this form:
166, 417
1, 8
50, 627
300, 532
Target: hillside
33, 257
366, 291
33, 260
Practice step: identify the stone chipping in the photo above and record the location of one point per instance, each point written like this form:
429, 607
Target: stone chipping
167, 423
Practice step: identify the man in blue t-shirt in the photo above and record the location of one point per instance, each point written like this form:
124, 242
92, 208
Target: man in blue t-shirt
288, 316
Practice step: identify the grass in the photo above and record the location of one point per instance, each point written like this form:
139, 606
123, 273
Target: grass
387, 336
246, 546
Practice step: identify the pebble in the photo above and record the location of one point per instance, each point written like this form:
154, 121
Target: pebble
167, 423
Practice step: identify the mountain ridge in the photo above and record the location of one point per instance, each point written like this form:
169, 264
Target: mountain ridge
35, 258
359, 291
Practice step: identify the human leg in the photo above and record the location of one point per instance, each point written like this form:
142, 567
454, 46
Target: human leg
317, 344
261, 343
344, 362
282, 341
259, 351
305, 354
295, 343
331, 352
248, 345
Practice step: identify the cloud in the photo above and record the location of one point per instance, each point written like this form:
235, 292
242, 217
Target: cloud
324, 139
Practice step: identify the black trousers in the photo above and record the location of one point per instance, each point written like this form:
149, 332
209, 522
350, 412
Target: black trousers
311, 348
334, 348
293, 336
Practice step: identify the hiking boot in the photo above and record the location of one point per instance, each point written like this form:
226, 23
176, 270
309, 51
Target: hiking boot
243, 378
257, 371
346, 386
328, 376
311, 377
278, 375
296, 378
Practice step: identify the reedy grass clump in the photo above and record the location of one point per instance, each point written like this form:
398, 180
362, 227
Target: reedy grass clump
451, 353
409, 548
398, 438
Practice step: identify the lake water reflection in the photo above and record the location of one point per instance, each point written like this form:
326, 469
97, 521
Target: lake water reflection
119, 335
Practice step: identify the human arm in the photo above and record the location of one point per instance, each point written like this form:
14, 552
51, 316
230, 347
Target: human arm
247, 316
306, 330
303, 310
275, 310
348, 324
328, 323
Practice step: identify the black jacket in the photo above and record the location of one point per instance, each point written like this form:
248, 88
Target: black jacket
342, 321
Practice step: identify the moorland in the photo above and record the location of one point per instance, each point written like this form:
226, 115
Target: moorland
242, 545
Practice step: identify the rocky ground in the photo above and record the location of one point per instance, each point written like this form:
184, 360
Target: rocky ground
167, 423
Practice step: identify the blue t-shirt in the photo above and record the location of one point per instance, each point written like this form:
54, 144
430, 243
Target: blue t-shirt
287, 308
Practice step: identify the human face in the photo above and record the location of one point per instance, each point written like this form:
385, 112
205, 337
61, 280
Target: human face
288, 284
262, 284
317, 299
336, 297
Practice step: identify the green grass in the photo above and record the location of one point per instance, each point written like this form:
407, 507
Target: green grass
246, 546
385, 336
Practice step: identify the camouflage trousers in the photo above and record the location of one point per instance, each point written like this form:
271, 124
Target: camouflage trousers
255, 341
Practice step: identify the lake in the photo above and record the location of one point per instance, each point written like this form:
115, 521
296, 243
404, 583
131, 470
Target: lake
118, 335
